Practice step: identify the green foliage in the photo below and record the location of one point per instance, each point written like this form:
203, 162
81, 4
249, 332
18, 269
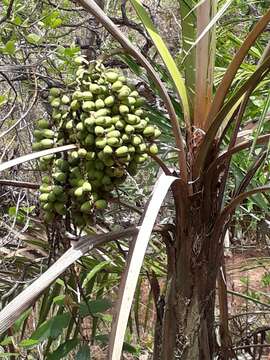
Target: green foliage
49, 329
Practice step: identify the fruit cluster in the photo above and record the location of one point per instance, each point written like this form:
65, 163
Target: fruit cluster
103, 116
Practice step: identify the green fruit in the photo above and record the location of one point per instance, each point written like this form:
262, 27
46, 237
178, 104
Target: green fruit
121, 151
82, 153
43, 166
45, 188
99, 163
141, 125
157, 133
134, 93
101, 204
108, 121
125, 159
149, 131
75, 105
47, 158
86, 95
95, 89
98, 174
101, 121
140, 101
62, 164
108, 161
123, 109
114, 134
38, 134
115, 118
55, 92
111, 76
65, 99
99, 130
118, 172
77, 95
106, 180
141, 148
46, 143
135, 140
56, 115
129, 129
57, 190
78, 192
120, 124
47, 133
46, 179
125, 138
153, 149
75, 172
117, 85
113, 141
102, 112
132, 119
123, 93
90, 155
56, 103
122, 78
88, 106
89, 140
44, 197
107, 150
89, 122
86, 186
101, 142
99, 104
80, 126
130, 101
60, 208
139, 112
131, 149
86, 207
69, 125
79, 221
109, 101
140, 158
104, 92
60, 177
51, 197
89, 165
43, 124
47, 206
74, 155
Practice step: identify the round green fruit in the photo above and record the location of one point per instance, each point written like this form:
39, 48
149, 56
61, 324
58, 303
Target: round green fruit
101, 204
43, 124
153, 149
55, 92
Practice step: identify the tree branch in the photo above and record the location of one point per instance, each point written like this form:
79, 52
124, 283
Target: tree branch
8, 14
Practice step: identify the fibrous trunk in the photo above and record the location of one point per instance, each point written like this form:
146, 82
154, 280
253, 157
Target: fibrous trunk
188, 320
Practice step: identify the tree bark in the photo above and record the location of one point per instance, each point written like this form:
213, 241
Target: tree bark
188, 321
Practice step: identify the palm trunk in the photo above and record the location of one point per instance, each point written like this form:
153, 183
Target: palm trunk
188, 321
